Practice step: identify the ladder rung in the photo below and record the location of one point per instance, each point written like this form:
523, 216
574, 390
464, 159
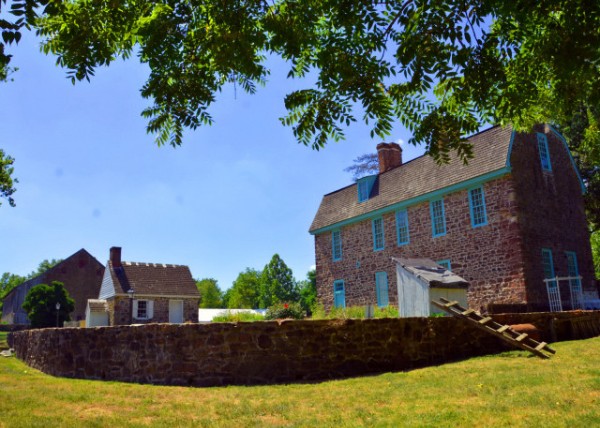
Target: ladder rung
541, 346
468, 312
503, 329
485, 320
521, 337
449, 304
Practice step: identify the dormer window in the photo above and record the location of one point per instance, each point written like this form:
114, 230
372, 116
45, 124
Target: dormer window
544, 152
364, 186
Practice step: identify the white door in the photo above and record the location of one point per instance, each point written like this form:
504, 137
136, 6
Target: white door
176, 311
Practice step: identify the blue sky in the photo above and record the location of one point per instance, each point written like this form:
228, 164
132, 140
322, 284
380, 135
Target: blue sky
90, 176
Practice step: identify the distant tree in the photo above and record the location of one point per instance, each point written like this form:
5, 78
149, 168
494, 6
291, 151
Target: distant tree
43, 267
596, 251
245, 291
308, 292
211, 295
8, 282
364, 165
7, 182
40, 304
277, 283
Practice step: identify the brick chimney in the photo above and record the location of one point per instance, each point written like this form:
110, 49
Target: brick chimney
390, 156
115, 256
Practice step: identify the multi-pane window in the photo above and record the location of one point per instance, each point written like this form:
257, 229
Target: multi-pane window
378, 239
402, 227
554, 299
572, 264
336, 244
547, 263
339, 294
381, 286
438, 218
574, 281
142, 309
544, 151
477, 207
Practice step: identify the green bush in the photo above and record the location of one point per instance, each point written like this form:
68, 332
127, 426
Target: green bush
354, 312
285, 310
229, 316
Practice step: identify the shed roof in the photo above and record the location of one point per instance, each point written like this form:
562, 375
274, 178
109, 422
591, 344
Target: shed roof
153, 279
421, 176
432, 273
97, 305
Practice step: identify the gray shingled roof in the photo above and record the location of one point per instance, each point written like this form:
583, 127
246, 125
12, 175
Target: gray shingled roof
418, 177
153, 279
432, 273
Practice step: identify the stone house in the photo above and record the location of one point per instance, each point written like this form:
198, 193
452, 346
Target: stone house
81, 274
138, 293
506, 221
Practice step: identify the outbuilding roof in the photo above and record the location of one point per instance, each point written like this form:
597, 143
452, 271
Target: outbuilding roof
419, 177
153, 279
431, 272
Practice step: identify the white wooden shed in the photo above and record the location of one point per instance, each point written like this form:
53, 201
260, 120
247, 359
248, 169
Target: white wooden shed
96, 313
423, 280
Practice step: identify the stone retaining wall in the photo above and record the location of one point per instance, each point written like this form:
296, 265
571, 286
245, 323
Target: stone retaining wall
258, 352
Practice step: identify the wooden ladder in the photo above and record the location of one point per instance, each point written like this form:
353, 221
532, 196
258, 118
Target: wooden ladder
504, 332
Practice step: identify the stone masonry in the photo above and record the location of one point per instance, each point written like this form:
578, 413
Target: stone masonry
527, 210
265, 352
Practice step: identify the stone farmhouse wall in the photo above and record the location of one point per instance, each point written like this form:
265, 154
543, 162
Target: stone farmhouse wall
551, 215
119, 310
489, 257
262, 352
527, 210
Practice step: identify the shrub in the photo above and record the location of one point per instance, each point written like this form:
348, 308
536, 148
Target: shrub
354, 312
229, 316
285, 310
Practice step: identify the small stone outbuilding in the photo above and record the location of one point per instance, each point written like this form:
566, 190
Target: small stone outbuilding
138, 293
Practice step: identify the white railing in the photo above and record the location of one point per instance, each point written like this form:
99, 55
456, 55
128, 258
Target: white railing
553, 289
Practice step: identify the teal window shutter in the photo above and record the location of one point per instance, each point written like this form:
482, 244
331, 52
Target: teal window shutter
445, 263
364, 186
339, 294
381, 286
477, 207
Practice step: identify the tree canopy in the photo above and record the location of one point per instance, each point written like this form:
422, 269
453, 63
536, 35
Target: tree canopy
40, 305
245, 291
211, 295
277, 283
442, 68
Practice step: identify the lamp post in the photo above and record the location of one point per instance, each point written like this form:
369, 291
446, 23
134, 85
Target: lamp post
57, 309
131, 293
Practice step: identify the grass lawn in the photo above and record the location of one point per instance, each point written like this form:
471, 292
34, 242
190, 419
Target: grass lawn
511, 389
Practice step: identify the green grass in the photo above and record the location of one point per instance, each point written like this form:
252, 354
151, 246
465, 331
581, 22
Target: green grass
510, 389
229, 316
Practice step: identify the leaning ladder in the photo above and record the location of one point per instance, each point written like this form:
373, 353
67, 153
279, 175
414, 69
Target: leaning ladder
504, 332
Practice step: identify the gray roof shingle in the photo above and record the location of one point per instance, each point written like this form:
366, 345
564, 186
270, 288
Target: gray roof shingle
418, 177
153, 279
